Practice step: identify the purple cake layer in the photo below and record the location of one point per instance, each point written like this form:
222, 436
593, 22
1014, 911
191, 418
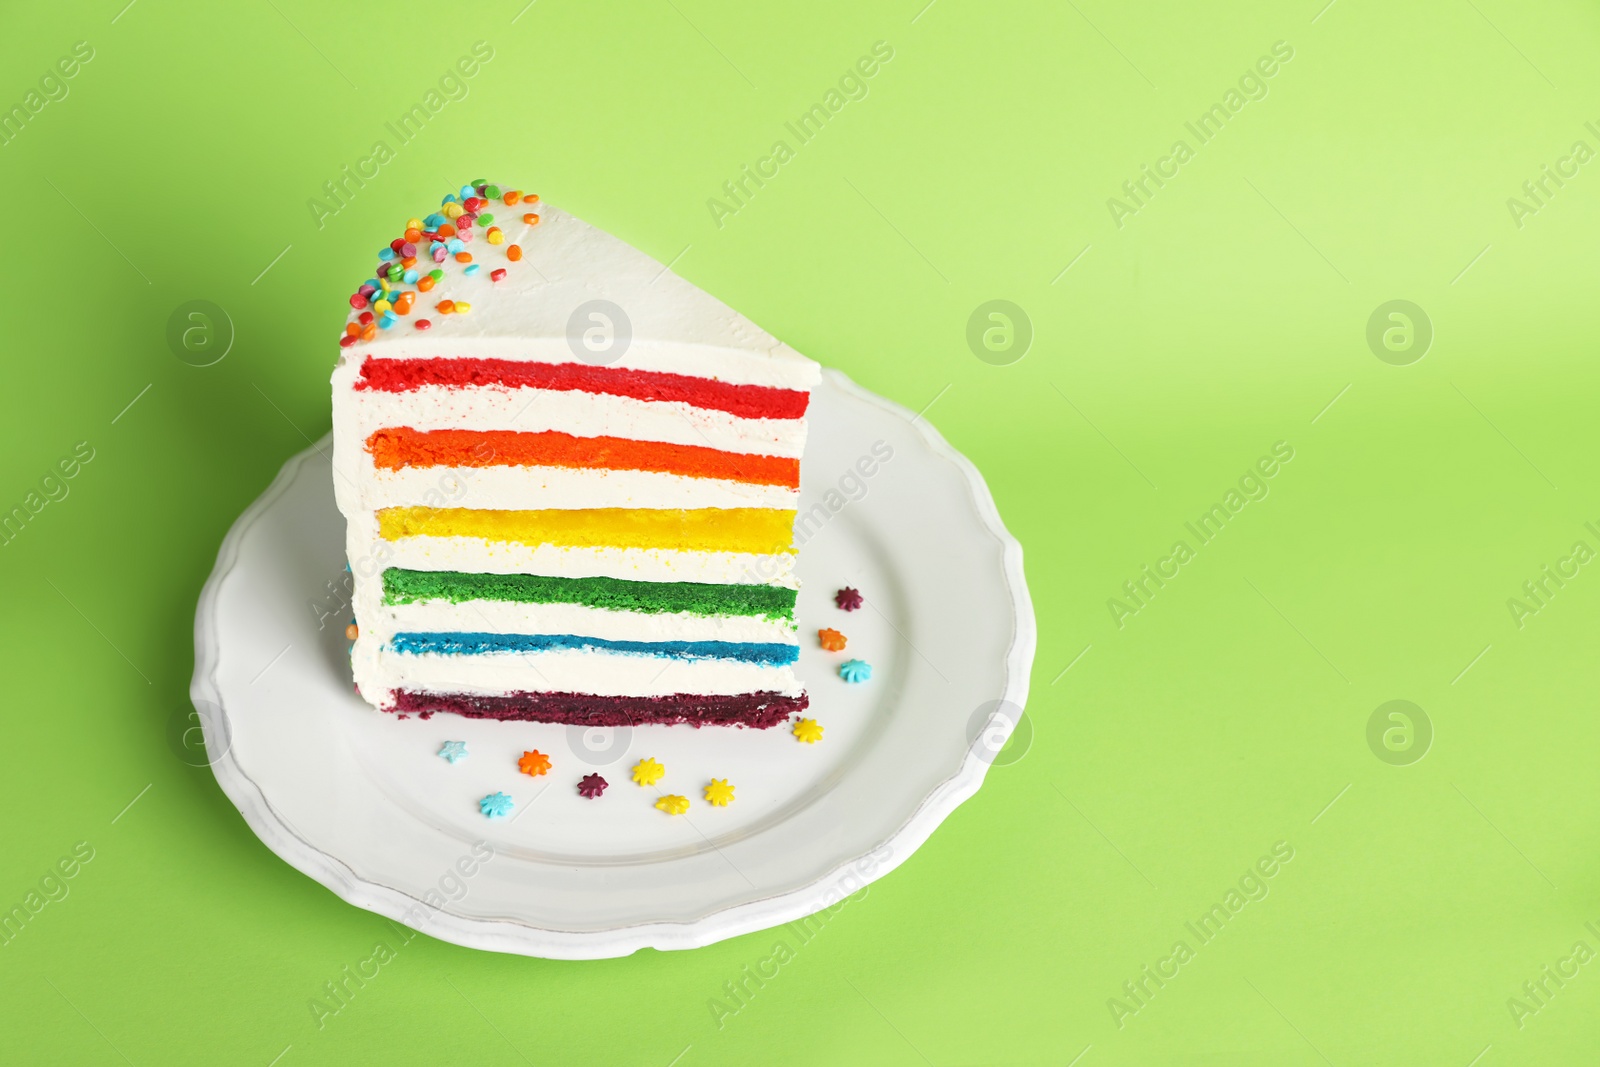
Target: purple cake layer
757, 710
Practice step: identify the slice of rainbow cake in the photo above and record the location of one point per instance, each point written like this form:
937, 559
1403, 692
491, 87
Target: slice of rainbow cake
569, 476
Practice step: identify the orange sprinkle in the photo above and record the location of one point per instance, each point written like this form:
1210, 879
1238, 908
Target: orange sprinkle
413, 235
463, 257
352, 329
531, 219
533, 763
513, 252
425, 282
530, 198
351, 632
832, 640
369, 331
403, 304
446, 230
446, 306
512, 197
408, 261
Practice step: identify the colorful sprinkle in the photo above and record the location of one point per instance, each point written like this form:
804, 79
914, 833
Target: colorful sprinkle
719, 793
439, 236
673, 804
808, 730
534, 763
830, 639
352, 632
591, 786
855, 670
496, 805
647, 771
847, 598
454, 751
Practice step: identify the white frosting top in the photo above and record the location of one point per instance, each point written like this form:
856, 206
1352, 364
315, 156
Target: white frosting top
544, 308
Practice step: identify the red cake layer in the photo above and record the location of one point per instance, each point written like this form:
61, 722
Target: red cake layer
757, 710
744, 401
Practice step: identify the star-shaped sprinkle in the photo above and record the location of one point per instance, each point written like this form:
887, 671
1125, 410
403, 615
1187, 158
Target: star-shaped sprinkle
832, 640
808, 730
847, 598
533, 763
454, 751
855, 670
591, 786
647, 771
719, 793
496, 805
673, 804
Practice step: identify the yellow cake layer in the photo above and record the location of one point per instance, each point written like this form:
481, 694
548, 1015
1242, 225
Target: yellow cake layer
763, 531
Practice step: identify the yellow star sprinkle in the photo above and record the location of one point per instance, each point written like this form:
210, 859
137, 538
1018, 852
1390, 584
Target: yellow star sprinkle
673, 804
719, 792
808, 730
647, 771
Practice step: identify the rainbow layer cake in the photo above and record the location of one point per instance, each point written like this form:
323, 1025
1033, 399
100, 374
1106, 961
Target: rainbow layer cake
569, 477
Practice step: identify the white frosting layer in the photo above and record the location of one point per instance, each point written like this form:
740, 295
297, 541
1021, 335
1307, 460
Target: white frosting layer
500, 617
436, 407
478, 556
536, 487
600, 673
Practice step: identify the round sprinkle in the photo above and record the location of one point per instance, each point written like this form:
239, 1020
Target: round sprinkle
352, 632
472, 268
446, 307
531, 219
462, 307
422, 324
513, 252
511, 197
497, 275
463, 257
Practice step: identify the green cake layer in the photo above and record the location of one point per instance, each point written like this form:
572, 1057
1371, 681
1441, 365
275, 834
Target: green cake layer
402, 586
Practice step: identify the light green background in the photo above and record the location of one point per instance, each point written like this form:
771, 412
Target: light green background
1226, 315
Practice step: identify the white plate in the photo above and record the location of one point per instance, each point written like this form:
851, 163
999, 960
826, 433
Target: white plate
361, 801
